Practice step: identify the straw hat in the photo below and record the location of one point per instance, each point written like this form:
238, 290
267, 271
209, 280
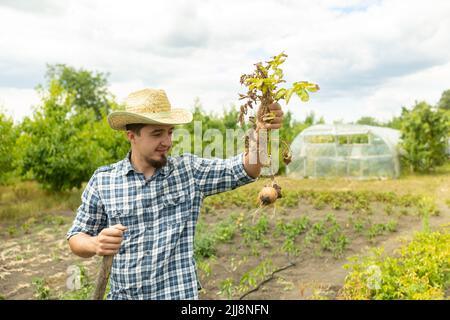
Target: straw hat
148, 106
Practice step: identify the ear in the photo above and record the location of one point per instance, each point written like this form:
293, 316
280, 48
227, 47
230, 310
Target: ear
131, 136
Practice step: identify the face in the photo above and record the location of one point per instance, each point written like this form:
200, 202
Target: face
153, 144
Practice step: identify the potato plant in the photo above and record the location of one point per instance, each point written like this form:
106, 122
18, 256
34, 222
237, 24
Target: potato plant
358, 202
419, 271
263, 88
256, 232
291, 231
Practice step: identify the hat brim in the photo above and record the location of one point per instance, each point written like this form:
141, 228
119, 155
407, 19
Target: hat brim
119, 119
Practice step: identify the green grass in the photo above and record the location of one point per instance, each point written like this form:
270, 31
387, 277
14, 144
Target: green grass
86, 288
26, 200
41, 289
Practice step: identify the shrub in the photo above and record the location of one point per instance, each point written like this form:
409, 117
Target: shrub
420, 270
424, 137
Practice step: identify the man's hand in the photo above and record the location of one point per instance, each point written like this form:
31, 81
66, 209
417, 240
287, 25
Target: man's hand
109, 240
277, 120
252, 159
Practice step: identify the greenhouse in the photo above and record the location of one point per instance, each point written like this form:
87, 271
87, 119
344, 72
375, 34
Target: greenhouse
353, 151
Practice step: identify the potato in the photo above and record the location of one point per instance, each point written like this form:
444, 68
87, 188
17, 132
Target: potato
267, 196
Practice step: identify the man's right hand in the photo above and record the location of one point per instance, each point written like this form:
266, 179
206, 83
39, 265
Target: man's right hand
109, 240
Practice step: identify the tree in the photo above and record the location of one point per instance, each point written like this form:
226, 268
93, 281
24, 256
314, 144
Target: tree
63, 143
424, 133
310, 118
395, 123
89, 90
444, 102
291, 128
8, 135
370, 121
230, 118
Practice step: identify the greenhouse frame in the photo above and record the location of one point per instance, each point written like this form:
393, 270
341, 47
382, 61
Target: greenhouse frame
344, 150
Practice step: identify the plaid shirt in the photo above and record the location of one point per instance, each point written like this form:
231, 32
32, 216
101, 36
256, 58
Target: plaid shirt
156, 259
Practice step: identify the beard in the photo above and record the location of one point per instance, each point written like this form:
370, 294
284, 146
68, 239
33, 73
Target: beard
157, 164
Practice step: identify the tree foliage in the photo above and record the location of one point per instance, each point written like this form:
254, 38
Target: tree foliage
88, 90
64, 142
8, 136
424, 137
370, 121
444, 102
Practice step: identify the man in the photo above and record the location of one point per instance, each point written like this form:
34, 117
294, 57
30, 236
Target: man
151, 202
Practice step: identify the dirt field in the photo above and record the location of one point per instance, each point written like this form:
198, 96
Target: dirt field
316, 273
249, 247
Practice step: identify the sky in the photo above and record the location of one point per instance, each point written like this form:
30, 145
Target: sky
370, 58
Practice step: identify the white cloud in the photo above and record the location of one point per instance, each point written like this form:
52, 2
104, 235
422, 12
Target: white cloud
364, 54
18, 102
425, 85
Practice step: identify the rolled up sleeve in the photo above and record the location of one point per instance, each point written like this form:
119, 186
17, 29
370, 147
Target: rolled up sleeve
218, 175
91, 217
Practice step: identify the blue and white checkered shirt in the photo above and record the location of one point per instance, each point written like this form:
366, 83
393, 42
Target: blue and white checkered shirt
156, 259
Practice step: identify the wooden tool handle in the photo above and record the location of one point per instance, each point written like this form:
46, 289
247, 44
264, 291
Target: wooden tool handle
103, 277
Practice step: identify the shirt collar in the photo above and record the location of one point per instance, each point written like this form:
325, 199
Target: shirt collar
127, 166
